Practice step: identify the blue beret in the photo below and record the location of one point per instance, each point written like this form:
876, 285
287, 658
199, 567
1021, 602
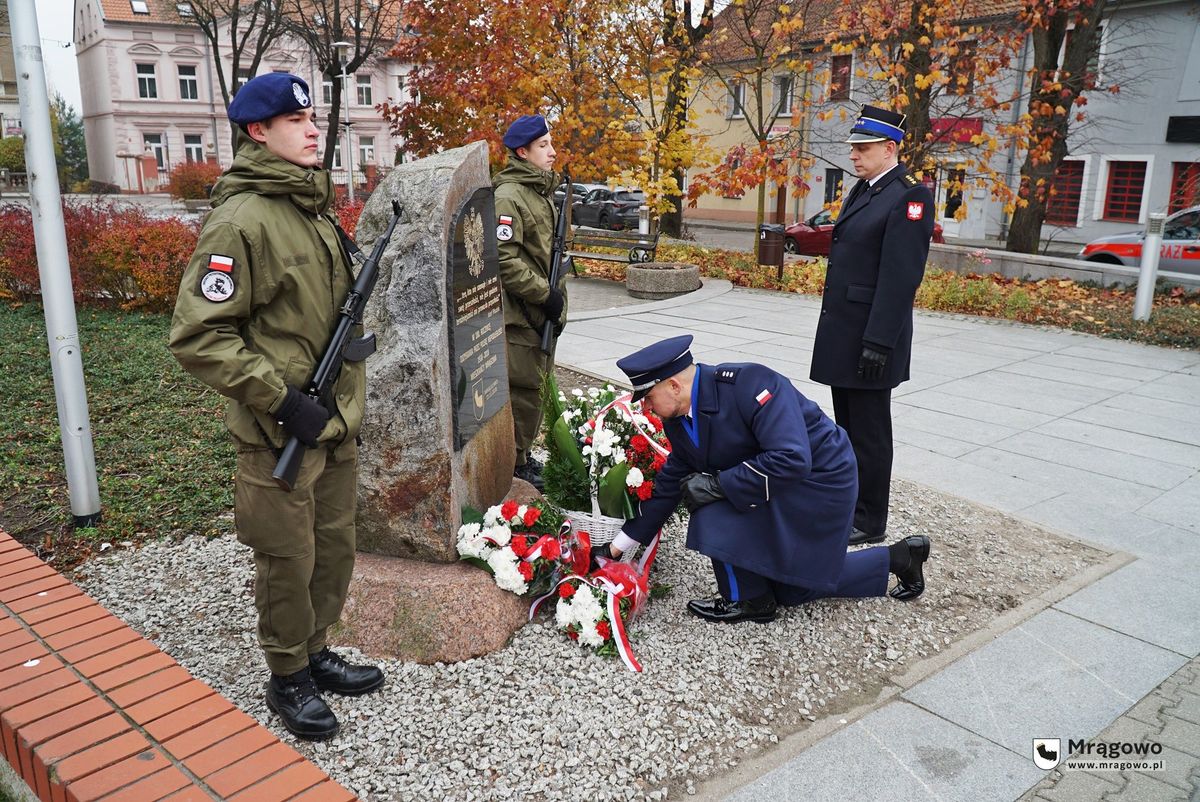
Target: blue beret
268, 96
525, 130
654, 363
876, 125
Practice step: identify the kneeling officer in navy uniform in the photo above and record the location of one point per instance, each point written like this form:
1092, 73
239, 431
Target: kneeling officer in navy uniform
770, 482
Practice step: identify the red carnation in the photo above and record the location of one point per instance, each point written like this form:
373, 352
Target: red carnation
639, 443
531, 516
655, 422
526, 570
508, 509
520, 546
566, 590
552, 550
645, 490
659, 461
604, 630
572, 634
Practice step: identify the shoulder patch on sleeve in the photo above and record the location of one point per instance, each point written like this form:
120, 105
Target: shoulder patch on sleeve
727, 375
910, 179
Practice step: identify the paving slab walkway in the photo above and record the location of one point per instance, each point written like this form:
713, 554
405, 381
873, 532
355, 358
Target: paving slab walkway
1097, 439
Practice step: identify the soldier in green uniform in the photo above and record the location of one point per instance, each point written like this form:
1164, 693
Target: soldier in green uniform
525, 233
256, 305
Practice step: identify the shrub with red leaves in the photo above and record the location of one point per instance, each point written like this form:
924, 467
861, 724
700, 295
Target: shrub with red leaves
192, 180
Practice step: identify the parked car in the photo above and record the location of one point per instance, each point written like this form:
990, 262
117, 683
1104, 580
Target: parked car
609, 208
814, 236
1180, 252
577, 192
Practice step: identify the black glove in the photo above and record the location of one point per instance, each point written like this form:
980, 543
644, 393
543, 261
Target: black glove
599, 551
301, 417
871, 363
553, 307
700, 489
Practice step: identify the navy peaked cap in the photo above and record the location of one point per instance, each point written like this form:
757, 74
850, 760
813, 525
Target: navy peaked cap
654, 363
877, 125
525, 130
268, 96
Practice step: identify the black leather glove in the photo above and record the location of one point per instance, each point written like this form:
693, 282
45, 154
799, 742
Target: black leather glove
871, 363
599, 551
301, 417
553, 307
700, 489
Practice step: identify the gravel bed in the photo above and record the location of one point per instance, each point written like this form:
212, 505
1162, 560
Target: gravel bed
545, 719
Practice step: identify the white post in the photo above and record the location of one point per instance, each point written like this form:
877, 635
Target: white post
643, 219
1148, 275
62, 334
349, 144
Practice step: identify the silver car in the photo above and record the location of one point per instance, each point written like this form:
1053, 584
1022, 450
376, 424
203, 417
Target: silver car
1180, 251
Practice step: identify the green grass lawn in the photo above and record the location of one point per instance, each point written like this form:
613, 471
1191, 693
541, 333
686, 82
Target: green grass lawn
164, 461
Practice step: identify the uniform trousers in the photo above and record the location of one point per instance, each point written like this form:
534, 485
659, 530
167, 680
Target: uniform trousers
527, 364
303, 544
866, 415
864, 574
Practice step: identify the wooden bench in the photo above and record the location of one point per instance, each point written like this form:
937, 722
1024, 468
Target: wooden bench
91, 710
637, 247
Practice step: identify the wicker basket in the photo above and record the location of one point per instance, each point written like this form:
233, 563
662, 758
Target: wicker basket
601, 529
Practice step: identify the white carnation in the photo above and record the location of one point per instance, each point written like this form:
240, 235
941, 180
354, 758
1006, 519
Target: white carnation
504, 567
589, 635
635, 477
577, 393
618, 456
492, 516
499, 534
593, 392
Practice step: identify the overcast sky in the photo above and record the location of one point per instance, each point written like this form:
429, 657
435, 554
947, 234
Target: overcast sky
62, 71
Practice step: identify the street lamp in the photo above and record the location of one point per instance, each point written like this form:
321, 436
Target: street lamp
342, 48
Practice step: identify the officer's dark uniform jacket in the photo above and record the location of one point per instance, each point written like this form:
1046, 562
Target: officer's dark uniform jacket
876, 262
787, 470
290, 276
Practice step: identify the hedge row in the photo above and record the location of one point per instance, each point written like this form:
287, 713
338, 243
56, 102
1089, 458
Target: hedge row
120, 255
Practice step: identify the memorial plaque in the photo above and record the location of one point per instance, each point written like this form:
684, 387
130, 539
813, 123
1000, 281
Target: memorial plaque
476, 317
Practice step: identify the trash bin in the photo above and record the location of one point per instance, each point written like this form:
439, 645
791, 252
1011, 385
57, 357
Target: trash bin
770, 244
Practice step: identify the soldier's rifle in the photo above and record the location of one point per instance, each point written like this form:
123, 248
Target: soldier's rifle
558, 257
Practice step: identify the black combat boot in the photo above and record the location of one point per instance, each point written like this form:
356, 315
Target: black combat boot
332, 673
531, 472
295, 700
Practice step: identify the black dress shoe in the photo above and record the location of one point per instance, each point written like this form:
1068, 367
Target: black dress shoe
332, 673
295, 700
718, 608
860, 538
912, 579
530, 472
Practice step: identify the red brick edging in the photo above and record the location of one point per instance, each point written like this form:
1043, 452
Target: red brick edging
91, 710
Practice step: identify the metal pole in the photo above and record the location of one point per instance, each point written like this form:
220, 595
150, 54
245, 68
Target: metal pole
1148, 274
349, 145
62, 334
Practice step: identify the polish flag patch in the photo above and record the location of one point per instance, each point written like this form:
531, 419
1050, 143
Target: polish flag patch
504, 220
222, 263
916, 210
763, 397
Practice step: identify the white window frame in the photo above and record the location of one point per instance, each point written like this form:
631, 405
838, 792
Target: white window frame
193, 151
326, 90
159, 149
1102, 184
736, 100
362, 81
363, 156
849, 78
337, 155
243, 77
193, 79
778, 96
151, 78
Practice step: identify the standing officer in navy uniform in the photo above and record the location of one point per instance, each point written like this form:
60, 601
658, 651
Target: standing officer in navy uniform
864, 335
770, 483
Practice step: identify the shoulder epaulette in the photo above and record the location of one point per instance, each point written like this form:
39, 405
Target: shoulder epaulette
727, 375
911, 179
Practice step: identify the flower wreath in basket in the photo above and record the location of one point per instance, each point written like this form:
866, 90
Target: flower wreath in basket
525, 547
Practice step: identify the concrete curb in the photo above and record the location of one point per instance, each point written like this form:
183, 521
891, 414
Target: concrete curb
709, 289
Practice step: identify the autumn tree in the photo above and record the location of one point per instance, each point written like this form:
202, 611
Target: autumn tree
369, 26
753, 60
1065, 40
948, 66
